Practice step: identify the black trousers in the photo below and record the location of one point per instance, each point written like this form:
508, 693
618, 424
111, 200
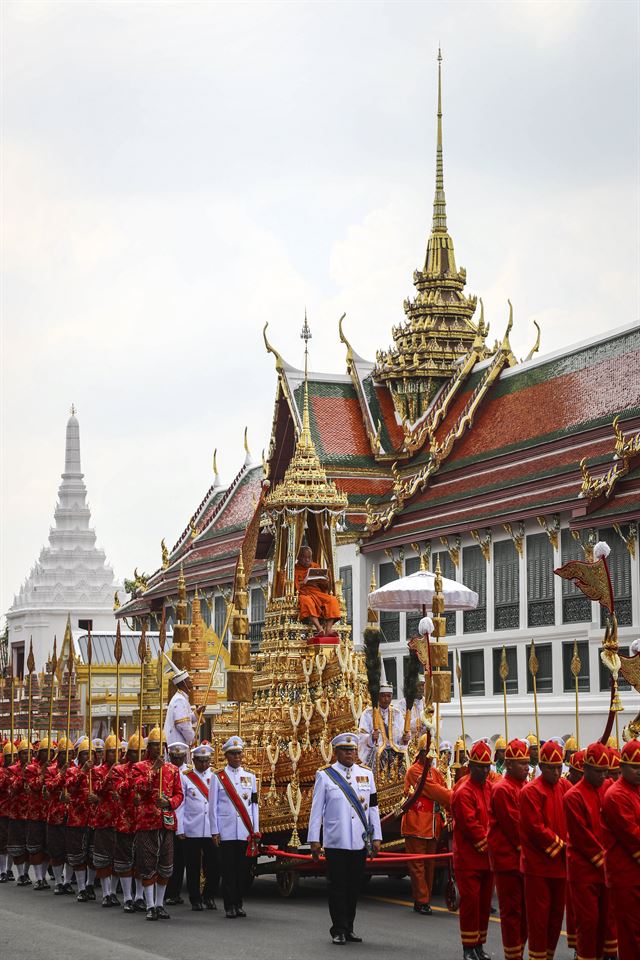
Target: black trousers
201, 854
345, 869
234, 867
174, 887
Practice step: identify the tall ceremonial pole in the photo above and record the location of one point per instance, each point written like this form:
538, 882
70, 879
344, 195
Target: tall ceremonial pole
54, 664
504, 673
31, 665
203, 707
533, 670
459, 676
89, 703
142, 649
117, 656
162, 640
12, 721
576, 667
69, 673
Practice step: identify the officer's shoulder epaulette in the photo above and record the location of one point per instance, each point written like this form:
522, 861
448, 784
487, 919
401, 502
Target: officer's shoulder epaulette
364, 766
187, 768
320, 769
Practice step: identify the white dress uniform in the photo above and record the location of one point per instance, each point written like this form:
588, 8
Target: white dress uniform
193, 812
343, 835
193, 822
342, 827
181, 719
393, 720
223, 817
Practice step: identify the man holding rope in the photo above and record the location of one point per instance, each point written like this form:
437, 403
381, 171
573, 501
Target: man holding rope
345, 806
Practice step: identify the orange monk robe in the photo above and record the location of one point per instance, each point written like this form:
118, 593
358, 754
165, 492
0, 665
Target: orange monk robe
313, 601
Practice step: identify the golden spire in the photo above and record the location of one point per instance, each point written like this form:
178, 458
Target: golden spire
305, 436
439, 202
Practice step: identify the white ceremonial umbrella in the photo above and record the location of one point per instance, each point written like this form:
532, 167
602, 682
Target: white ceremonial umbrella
417, 591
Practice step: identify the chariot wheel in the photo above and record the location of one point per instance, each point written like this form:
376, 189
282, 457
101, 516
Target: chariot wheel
287, 882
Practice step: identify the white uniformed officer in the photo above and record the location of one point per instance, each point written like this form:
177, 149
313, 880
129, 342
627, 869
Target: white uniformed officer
232, 788
181, 722
194, 830
178, 753
346, 841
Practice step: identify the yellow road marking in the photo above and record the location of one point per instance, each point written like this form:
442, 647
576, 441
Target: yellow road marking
409, 903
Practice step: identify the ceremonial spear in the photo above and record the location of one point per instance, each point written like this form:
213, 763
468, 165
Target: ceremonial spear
576, 667
117, 656
162, 639
142, 649
89, 704
12, 721
31, 665
69, 671
459, 676
533, 670
54, 663
504, 673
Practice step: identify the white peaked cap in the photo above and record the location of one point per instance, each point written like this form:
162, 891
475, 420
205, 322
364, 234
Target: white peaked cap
204, 750
233, 743
178, 674
178, 747
385, 686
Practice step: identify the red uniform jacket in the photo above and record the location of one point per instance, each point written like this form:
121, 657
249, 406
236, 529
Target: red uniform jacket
504, 825
127, 799
145, 780
470, 809
18, 790
621, 833
585, 847
107, 810
421, 820
543, 828
36, 800
76, 783
54, 786
5, 791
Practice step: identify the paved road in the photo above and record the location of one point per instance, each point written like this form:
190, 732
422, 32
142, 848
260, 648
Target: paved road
39, 925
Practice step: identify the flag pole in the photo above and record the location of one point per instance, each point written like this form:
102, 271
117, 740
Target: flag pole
576, 667
533, 670
504, 673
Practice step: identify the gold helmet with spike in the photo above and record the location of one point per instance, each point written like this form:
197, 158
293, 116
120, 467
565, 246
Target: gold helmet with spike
154, 735
23, 745
111, 743
83, 745
135, 742
9, 748
63, 744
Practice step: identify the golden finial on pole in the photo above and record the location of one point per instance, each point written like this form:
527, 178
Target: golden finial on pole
504, 673
31, 665
459, 676
533, 670
576, 667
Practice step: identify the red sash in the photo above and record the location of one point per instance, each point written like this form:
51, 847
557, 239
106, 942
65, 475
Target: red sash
232, 793
197, 782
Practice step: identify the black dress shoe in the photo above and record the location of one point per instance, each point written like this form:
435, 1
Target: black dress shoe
231, 914
151, 914
209, 903
45, 885
23, 881
83, 897
128, 906
172, 901
91, 894
39, 885
10, 875
481, 955
106, 901
3, 877
58, 890
423, 908
469, 953
114, 900
197, 906
351, 937
67, 887
240, 912
162, 914
140, 905
338, 938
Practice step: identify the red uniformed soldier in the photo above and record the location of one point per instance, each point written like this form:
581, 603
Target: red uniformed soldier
543, 834
125, 825
573, 776
105, 815
422, 824
6, 861
17, 808
470, 809
76, 790
35, 773
504, 848
54, 782
585, 853
621, 820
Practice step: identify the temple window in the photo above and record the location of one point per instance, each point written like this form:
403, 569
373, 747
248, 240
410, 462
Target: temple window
474, 576
576, 608
391, 671
472, 666
544, 678
540, 585
346, 575
506, 585
512, 663
619, 563
584, 675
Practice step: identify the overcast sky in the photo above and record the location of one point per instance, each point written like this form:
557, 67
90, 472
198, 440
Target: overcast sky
176, 174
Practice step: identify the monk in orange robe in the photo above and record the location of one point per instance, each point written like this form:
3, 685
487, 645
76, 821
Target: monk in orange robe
321, 609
